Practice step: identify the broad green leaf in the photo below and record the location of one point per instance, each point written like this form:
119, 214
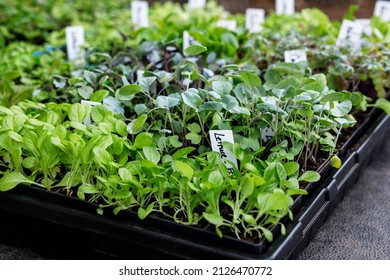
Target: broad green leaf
383, 104
105, 128
214, 219
174, 141
290, 82
151, 153
309, 176
251, 143
102, 156
292, 183
117, 146
267, 234
334, 96
216, 178
211, 106
121, 128
195, 49
29, 162
194, 127
307, 113
244, 93
250, 79
167, 101
341, 109
136, 126
5, 111
126, 93
55, 140
194, 138
143, 213
291, 168
277, 201
15, 136
90, 77
85, 92
183, 152
12, 179
99, 113
143, 139
78, 126
140, 108
78, 112
192, 99
229, 102
301, 98
230, 41
125, 174
185, 169
88, 189
99, 95
146, 83
292, 192
247, 187
316, 82
282, 175
249, 219
222, 87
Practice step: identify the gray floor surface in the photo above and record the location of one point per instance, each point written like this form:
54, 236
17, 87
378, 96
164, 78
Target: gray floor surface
358, 229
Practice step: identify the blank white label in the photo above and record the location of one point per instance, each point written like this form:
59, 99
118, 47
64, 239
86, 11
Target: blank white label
294, 56
366, 25
140, 13
217, 137
194, 4
286, 7
228, 24
74, 39
88, 120
254, 19
382, 10
350, 34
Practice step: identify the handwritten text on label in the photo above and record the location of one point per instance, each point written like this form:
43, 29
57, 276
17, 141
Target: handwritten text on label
139, 13
254, 20
74, 39
217, 137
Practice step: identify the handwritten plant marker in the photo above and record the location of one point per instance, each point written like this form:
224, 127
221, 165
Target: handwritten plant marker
285, 7
217, 137
140, 13
74, 40
254, 19
294, 56
382, 10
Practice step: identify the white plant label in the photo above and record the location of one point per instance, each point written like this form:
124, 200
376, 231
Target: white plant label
74, 39
227, 24
366, 25
140, 13
140, 74
267, 134
382, 10
285, 7
254, 19
196, 4
188, 40
350, 34
294, 56
88, 120
217, 138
